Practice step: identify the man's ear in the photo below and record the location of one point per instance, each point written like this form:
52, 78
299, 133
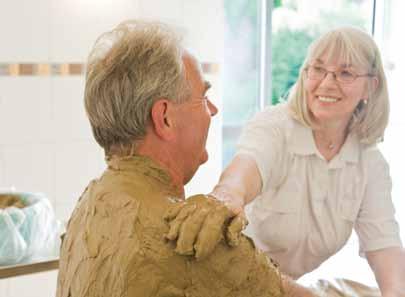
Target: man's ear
161, 119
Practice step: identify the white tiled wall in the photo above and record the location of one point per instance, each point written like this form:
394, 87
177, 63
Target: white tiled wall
25, 110
41, 284
24, 30
75, 24
45, 140
68, 115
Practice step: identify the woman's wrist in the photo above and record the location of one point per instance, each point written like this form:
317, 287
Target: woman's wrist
233, 201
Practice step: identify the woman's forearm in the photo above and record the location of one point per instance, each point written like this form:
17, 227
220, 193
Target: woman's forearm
240, 182
388, 266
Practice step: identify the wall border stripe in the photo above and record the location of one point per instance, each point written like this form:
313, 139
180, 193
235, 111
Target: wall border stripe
67, 69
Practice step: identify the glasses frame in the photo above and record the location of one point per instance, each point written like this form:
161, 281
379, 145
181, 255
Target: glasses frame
335, 75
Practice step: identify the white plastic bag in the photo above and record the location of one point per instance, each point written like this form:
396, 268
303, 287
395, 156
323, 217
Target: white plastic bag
12, 245
29, 231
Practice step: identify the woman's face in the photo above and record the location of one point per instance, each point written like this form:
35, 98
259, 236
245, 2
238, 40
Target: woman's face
331, 99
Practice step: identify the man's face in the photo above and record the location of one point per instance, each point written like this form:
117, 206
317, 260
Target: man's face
193, 120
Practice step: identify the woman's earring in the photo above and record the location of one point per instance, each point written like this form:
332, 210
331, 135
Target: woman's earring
365, 101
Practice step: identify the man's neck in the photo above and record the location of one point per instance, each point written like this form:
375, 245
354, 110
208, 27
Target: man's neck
164, 158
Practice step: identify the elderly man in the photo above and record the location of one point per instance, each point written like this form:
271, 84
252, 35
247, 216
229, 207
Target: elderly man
147, 105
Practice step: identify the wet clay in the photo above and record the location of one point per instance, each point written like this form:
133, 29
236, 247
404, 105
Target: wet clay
116, 245
7, 200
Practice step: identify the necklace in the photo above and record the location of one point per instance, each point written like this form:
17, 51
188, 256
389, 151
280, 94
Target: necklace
331, 146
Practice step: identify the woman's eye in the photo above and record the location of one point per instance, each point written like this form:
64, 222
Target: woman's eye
346, 74
319, 69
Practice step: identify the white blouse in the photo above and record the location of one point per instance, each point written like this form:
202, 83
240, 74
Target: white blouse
309, 206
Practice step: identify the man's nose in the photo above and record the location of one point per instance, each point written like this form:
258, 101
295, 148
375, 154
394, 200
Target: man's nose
213, 109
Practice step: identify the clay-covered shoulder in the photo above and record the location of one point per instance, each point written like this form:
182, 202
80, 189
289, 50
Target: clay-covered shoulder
243, 270
105, 216
264, 276
101, 237
113, 198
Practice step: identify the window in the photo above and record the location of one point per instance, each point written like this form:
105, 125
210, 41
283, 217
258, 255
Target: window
241, 70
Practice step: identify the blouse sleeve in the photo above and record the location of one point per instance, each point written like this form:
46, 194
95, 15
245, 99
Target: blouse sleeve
376, 225
263, 139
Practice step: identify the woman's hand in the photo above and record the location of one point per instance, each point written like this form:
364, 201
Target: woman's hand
199, 223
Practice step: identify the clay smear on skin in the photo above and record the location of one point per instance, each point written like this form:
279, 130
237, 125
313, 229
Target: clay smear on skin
115, 245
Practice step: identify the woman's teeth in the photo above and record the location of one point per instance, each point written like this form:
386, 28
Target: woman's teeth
327, 99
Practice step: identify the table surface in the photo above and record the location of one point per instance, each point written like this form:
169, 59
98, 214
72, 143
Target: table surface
29, 266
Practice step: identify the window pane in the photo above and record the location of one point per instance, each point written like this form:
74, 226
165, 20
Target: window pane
241, 70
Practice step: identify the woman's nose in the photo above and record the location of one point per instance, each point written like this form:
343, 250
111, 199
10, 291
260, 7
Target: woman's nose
329, 80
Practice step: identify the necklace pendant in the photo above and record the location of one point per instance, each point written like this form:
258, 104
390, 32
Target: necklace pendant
331, 146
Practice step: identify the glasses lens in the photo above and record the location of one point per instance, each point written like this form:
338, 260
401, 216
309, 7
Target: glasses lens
345, 76
315, 72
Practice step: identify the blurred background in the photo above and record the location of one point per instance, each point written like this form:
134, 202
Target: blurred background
251, 52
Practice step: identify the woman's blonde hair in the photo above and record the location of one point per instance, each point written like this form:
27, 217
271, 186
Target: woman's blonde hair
128, 69
357, 48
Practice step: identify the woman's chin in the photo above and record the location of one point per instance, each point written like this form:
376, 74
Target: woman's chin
324, 117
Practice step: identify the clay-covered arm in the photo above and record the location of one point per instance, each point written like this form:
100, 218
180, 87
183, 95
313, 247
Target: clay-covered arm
389, 270
239, 184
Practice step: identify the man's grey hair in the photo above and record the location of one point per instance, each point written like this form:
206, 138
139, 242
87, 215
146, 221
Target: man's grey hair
128, 69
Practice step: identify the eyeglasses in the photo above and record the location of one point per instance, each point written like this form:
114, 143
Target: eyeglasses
343, 76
